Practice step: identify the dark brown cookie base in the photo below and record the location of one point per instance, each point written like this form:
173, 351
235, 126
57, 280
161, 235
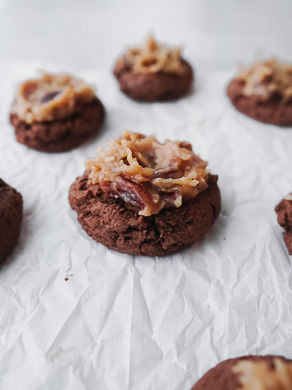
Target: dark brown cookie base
151, 87
284, 212
10, 218
62, 135
221, 377
119, 227
272, 111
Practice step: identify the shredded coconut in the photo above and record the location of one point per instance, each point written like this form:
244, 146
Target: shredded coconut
267, 78
50, 97
153, 58
148, 174
260, 376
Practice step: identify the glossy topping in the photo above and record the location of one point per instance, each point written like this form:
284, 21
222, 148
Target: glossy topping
148, 174
260, 375
50, 97
153, 58
268, 79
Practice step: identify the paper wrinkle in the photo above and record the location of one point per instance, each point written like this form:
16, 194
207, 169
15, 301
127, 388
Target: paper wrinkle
125, 322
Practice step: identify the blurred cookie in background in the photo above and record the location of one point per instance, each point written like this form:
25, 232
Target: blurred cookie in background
153, 72
264, 92
55, 112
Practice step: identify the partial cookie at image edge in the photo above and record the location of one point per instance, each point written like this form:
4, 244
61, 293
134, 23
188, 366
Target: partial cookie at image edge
11, 210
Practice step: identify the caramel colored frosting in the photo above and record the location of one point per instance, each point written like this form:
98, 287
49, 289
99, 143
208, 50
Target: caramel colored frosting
268, 78
148, 174
153, 57
50, 97
258, 375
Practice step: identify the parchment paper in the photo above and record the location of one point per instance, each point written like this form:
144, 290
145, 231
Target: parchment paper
125, 322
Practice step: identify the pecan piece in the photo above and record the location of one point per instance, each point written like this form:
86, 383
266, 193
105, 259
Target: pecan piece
49, 96
130, 192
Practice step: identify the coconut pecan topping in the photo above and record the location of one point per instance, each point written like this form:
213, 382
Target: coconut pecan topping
153, 58
268, 79
50, 97
260, 375
148, 174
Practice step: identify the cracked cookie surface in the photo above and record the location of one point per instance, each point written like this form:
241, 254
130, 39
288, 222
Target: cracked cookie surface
118, 225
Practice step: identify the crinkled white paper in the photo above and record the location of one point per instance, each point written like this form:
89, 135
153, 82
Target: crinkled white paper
124, 322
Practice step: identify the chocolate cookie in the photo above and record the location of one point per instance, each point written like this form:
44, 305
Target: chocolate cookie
10, 218
144, 197
153, 73
272, 111
118, 226
284, 211
265, 372
55, 113
60, 135
264, 92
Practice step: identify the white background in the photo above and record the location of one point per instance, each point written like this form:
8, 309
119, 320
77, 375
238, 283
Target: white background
78, 34
124, 322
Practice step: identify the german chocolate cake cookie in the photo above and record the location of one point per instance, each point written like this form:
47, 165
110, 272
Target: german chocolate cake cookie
153, 72
143, 197
55, 113
264, 92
